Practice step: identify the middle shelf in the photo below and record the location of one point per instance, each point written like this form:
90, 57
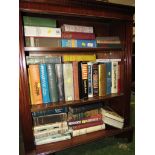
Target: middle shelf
35, 108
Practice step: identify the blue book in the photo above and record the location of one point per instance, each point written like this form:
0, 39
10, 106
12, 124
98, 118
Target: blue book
49, 112
86, 43
44, 83
66, 42
108, 78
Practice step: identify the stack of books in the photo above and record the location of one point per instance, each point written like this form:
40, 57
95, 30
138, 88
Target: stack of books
41, 32
50, 126
85, 119
110, 117
78, 36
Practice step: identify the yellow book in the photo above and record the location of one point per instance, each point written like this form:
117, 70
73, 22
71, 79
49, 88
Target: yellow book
91, 57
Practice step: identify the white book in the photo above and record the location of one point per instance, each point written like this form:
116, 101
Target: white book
42, 31
113, 122
114, 75
111, 114
107, 60
87, 130
68, 81
51, 139
77, 28
50, 126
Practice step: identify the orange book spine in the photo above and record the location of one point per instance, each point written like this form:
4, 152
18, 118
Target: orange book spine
76, 80
35, 86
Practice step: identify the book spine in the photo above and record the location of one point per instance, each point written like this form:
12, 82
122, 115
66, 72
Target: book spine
52, 80
44, 83
95, 80
86, 43
76, 81
78, 35
35, 31
42, 42
119, 78
94, 118
42, 59
122, 76
76, 28
35, 86
109, 45
68, 81
108, 78
37, 21
68, 58
90, 80
114, 87
102, 79
75, 110
60, 81
88, 130
81, 126
46, 127
84, 68
49, 112
49, 119
66, 43
82, 115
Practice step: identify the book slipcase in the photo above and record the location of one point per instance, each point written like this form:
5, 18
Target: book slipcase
106, 21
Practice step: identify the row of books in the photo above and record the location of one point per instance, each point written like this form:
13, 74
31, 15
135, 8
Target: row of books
42, 32
53, 81
78, 120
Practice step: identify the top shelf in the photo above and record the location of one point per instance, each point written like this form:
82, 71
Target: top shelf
69, 49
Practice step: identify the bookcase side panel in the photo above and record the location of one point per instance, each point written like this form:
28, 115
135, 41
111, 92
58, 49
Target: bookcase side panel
24, 100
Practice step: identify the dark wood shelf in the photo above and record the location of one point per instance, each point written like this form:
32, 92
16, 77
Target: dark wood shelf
78, 140
69, 49
39, 107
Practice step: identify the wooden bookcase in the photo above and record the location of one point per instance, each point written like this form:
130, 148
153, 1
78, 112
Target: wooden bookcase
107, 20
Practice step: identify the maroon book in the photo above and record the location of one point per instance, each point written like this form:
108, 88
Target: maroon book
78, 35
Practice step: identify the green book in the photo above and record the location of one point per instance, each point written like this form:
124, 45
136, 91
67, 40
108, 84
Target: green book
37, 21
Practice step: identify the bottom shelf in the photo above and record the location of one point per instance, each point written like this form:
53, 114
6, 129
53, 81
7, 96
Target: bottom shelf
75, 141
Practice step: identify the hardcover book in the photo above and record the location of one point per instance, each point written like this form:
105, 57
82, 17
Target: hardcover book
60, 81
42, 42
102, 79
34, 83
34, 31
38, 21
52, 80
68, 81
42, 59
78, 35
44, 83
108, 78
91, 57
76, 28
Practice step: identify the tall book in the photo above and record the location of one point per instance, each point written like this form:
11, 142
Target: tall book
35, 86
95, 80
44, 83
108, 78
90, 79
83, 79
102, 79
119, 78
68, 81
114, 69
60, 81
38, 21
76, 80
52, 80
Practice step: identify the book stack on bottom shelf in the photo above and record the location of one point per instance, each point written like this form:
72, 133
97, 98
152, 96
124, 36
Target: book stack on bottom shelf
85, 119
50, 128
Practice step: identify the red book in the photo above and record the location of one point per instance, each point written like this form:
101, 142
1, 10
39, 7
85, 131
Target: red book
87, 125
119, 78
78, 35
